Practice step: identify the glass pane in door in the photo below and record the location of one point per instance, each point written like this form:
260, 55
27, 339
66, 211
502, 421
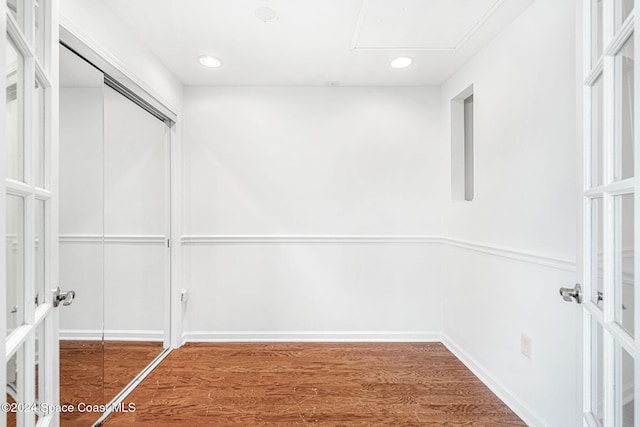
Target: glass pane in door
622, 10
14, 117
16, 9
39, 25
596, 30
597, 371
625, 390
624, 62
39, 252
597, 251
597, 134
15, 261
624, 261
39, 378
39, 135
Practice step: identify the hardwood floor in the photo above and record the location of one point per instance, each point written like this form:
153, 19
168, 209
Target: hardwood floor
253, 384
93, 372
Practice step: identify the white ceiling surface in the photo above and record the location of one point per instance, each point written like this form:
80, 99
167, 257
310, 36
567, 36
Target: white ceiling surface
316, 42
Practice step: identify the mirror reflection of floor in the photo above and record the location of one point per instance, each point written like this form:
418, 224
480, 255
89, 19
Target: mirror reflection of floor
85, 366
11, 416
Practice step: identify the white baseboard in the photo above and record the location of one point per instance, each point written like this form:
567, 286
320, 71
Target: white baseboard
304, 336
528, 415
110, 335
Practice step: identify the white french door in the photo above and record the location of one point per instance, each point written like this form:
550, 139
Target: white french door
610, 215
28, 212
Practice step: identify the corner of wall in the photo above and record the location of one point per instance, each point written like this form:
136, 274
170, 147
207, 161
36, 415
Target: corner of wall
522, 409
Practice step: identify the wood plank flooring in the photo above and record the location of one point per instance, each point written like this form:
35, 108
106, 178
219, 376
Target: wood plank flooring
335, 384
93, 372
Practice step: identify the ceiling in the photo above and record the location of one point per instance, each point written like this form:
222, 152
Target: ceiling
316, 42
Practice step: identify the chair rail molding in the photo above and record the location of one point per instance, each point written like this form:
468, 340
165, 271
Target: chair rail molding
304, 239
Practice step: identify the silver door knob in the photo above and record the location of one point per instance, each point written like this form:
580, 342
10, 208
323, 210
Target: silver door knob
569, 294
66, 298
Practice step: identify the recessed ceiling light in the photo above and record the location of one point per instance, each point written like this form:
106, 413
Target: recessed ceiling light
402, 62
265, 14
210, 61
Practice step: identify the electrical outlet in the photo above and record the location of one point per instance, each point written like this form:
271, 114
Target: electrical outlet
525, 345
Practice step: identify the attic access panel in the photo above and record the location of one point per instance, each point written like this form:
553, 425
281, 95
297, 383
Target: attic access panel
429, 25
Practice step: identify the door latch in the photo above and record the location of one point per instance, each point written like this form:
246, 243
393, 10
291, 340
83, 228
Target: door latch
572, 293
66, 298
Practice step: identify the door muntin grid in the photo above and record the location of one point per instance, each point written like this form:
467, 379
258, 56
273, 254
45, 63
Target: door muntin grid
610, 212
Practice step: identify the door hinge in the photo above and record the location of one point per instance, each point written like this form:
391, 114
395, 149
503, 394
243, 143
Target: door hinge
169, 243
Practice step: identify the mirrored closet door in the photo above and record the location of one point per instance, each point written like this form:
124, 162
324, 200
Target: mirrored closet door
114, 228
81, 235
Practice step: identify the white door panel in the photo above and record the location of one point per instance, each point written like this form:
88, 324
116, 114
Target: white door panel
609, 207
29, 213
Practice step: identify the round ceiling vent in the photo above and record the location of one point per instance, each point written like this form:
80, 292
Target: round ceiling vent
265, 14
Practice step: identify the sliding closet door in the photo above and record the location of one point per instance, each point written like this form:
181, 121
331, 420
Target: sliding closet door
81, 236
113, 237
136, 254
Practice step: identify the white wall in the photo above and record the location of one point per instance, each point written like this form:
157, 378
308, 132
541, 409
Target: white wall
311, 160
525, 205
302, 162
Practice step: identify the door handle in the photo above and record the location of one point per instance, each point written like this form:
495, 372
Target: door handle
572, 293
66, 298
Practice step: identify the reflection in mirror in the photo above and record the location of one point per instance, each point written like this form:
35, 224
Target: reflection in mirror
81, 230
134, 262
13, 388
